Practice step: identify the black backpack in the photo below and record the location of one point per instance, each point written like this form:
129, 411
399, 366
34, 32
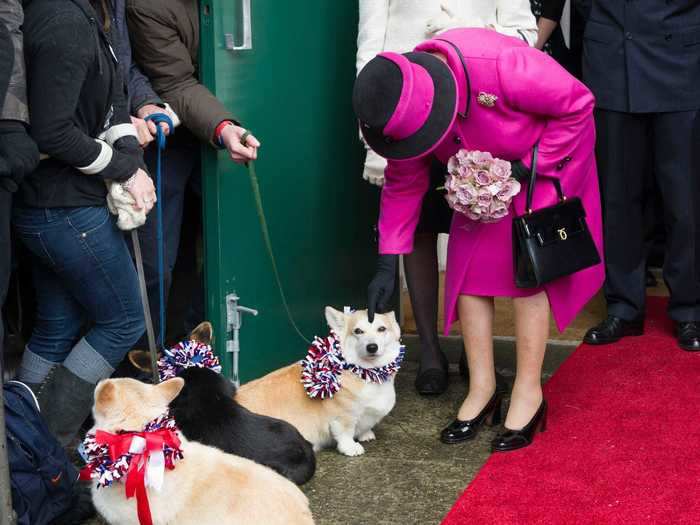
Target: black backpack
41, 475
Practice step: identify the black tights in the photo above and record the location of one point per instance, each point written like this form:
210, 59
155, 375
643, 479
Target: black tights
422, 276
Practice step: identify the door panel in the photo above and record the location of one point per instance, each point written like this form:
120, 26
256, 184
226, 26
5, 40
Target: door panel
293, 91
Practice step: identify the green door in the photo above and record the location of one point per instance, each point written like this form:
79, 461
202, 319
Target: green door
292, 89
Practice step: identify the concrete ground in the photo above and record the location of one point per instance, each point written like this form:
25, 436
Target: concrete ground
407, 476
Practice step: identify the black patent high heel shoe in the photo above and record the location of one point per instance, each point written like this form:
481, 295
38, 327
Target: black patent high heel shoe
514, 439
459, 431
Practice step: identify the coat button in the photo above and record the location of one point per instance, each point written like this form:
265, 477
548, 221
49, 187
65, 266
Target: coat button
668, 38
628, 35
458, 139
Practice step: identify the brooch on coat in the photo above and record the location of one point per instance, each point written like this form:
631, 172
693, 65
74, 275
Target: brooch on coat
487, 99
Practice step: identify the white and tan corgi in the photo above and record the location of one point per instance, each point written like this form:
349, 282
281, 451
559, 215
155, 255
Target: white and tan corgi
207, 486
358, 406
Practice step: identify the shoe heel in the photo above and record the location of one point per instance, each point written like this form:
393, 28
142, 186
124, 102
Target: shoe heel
496, 415
543, 423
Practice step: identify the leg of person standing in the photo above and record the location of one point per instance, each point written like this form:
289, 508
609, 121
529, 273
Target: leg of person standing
676, 142
623, 140
85, 268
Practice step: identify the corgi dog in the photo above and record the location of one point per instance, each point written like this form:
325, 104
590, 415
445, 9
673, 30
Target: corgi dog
349, 416
205, 486
206, 411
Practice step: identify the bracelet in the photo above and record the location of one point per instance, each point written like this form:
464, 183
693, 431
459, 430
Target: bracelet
219, 129
128, 183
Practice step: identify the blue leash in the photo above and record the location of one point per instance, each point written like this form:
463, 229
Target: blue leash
157, 119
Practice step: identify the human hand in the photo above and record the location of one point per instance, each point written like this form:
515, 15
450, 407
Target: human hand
140, 187
144, 134
231, 137
150, 109
18, 151
381, 287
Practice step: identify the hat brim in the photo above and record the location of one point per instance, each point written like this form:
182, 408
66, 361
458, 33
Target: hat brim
438, 123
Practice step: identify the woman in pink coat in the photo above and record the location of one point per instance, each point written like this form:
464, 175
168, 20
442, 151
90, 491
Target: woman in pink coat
475, 89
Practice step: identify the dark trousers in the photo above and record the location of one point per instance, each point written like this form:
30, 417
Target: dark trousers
628, 145
180, 171
5, 256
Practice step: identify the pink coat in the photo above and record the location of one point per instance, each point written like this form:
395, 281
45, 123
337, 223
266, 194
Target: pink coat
536, 100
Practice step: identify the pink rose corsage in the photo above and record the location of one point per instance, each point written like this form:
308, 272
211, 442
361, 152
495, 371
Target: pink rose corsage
480, 186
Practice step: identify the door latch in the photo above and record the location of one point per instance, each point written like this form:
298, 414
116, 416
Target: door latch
234, 321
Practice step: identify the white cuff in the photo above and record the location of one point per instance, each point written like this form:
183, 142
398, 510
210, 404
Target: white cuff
173, 116
102, 160
119, 131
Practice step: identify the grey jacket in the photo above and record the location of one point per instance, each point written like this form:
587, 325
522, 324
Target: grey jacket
14, 107
139, 87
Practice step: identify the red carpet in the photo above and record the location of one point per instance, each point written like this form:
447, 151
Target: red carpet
622, 444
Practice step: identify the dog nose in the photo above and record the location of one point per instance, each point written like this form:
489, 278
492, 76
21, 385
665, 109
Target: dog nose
372, 348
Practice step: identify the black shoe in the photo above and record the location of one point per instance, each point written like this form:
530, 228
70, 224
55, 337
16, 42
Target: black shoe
459, 431
463, 369
433, 381
613, 329
689, 336
515, 439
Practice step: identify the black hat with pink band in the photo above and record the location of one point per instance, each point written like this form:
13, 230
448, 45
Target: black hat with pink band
406, 103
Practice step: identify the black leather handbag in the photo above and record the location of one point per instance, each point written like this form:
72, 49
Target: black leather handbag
551, 242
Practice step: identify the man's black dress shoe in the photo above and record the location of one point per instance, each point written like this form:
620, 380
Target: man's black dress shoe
689, 336
433, 381
613, 329
459, 431
515, 439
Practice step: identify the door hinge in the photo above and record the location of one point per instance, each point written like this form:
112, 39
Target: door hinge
234, 321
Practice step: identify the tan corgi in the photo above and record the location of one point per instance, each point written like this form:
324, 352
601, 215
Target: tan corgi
353, 411
207, 486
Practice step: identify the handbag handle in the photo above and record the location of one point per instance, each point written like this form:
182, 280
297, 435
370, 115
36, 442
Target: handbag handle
533, 180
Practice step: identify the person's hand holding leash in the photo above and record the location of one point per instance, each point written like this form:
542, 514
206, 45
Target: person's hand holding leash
150, 109
140, 187
241, 145
143, 131
381, 288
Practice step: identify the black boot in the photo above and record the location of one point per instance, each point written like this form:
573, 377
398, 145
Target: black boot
67, 400
613, 329
689, 336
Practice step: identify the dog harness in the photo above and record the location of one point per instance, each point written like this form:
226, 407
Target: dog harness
322, 368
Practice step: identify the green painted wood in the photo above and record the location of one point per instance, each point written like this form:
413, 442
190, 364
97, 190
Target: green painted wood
293, 90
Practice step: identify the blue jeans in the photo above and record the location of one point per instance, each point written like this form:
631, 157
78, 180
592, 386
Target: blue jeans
82, 273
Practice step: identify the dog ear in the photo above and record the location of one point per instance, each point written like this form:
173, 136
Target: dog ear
335, 320
170, 389
141, 360
391, 318
203, 333
105, 395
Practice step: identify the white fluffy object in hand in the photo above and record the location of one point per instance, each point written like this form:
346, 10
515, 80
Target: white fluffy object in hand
121, 204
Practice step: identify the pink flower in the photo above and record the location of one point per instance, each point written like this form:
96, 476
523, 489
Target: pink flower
509, 189
484, 198
481, 159
500, 170
498, 210
482, 177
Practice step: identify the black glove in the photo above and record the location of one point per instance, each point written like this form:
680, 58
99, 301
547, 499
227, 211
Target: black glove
381, 288
519, 171
17, 149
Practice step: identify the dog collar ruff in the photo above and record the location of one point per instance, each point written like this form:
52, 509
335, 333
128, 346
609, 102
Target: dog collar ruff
187, 354
324, 363
137, 458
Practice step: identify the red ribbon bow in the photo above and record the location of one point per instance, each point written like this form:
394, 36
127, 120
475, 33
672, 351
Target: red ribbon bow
120, 444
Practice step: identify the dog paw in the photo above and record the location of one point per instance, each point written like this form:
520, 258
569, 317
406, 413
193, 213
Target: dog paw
351, 449
367, 436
